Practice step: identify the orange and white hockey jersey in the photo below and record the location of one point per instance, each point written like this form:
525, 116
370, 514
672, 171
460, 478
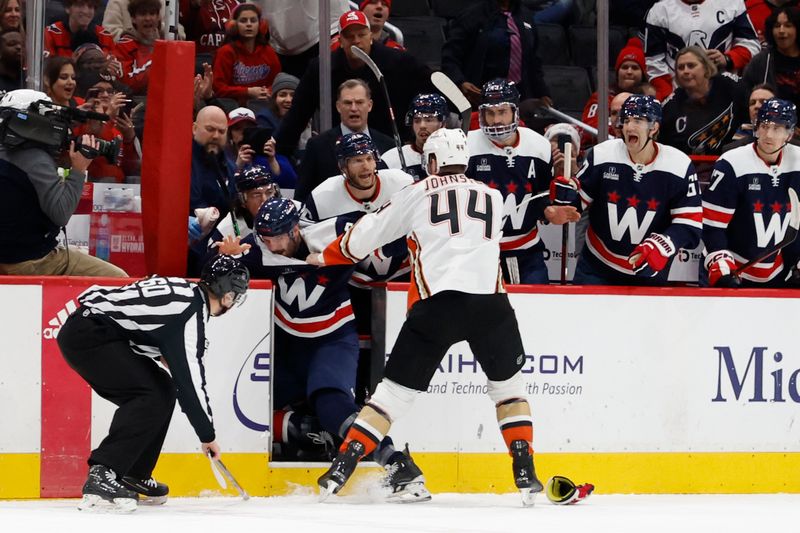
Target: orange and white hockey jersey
452, 226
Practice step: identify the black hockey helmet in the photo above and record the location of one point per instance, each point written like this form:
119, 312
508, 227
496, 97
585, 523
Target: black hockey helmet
252, 178
641, 106
427, 105
354, 144
777, 111
223, 274
494, 93
276, 216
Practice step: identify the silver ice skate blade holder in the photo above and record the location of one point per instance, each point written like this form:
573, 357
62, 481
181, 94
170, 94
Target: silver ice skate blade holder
411, 493
93, 502
325, 492
528, 497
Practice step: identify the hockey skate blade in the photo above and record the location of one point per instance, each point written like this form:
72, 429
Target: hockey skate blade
325, 492
152, 500
528, 497
94, 503
411, 493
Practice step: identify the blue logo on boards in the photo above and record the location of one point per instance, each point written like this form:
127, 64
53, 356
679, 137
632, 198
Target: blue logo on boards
256, 371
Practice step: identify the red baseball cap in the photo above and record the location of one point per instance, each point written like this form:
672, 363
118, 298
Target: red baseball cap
353, 18
241, 114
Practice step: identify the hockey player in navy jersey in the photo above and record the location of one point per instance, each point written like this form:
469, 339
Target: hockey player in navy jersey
425, 115
113, 341
516, 161
643, 200
362, 188
453, 227
746, 205
315, 341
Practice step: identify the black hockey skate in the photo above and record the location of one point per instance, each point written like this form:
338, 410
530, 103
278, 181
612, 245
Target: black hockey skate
524, 472
150, 491
340, 471
405, 481
102, 485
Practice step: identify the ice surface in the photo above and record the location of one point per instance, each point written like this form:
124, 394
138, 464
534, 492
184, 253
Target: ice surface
302, 512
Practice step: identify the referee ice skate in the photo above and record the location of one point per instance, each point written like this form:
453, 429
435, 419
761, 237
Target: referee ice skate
113, 341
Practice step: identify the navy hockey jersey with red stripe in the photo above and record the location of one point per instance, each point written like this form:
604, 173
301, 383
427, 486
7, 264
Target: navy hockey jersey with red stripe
746, 207
518, 172
630, 201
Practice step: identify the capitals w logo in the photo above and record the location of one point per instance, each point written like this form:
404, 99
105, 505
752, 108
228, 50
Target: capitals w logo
298, 291
629, 222
773, 232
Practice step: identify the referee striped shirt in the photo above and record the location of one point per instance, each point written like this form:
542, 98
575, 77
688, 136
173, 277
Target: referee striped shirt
164, 317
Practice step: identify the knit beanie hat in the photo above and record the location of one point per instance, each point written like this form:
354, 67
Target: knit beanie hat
568, 129
365, 2
284, 81
633, 51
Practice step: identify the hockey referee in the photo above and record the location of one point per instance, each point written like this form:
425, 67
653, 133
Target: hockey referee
113, 341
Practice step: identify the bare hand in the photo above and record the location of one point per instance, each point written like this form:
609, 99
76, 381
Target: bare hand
717, 57
211, 449
114, 67
245, 156
558, 163
80, 162
558, 215
315, 259
203, 83
261, 93
125, 125
231, 245
269, 148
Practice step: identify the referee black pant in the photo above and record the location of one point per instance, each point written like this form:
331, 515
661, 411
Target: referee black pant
143, 392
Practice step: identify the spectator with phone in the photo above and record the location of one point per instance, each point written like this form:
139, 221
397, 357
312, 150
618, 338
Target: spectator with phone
103, 97
246, 65
248, 145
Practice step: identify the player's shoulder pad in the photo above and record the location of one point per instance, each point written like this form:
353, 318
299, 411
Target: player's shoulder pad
610, 151
658, 14
395, 176
533, 143
672, 161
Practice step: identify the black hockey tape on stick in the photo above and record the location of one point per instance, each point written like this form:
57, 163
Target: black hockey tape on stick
450, 90
359, 53
788, 238
218, 467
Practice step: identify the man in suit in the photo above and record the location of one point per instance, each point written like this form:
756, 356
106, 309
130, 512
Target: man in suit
353, 102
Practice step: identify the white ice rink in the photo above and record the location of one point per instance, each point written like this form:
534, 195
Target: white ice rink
445, 513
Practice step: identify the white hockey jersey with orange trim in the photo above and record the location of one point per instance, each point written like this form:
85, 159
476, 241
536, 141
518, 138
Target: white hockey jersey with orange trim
452, 226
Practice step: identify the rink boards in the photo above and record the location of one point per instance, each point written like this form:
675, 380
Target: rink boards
635, 390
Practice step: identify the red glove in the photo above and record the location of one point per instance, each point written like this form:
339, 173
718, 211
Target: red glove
652, 255
564, 191
721, 266
562, 491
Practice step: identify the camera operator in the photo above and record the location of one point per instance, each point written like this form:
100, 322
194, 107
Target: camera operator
35, 202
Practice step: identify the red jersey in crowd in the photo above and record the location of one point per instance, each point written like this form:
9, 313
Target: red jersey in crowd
236, 69
58, 39
136, 58
205, 24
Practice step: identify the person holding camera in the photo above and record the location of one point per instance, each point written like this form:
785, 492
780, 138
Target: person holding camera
35, 200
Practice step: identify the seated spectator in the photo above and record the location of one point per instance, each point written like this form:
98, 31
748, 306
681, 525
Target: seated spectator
706, 109
405, 78
11, 16
135, 47
377, 12
746, 132
245, 67
204, 22
63, 37
630, 73
59, 81
240, 156
720, 27
354, 104
103, 97
426, 115
117, 19
779, 64
480, 47
11, 46
283, 87
759, 10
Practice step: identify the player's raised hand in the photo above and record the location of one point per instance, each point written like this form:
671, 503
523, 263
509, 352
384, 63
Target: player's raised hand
231, 245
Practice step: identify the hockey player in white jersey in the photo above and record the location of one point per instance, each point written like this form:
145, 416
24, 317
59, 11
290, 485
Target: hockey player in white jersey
721, 27
452, 225
643, 200
746, 205
517, 162
425, 115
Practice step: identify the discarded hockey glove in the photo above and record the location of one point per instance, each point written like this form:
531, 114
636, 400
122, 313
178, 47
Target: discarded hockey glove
564, 191
562, 491
652, 255
721, 266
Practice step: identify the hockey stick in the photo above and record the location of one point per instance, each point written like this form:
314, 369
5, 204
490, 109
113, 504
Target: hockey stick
359, 53
221, 472
788, 238
566, 118
445, 85
565, 227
